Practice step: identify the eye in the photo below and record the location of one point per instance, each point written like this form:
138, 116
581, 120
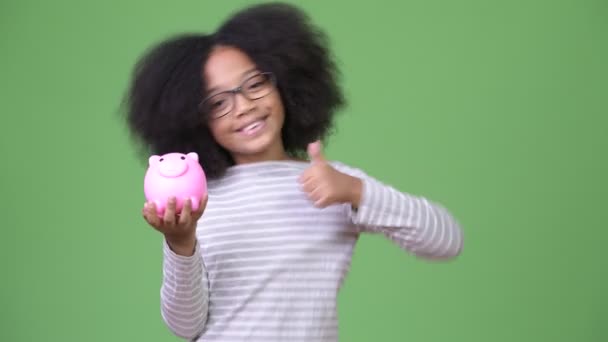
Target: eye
183, 158
256, 85
218, 102
161, 159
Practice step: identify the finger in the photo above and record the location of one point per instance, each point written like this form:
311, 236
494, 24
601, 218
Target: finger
316, 194
321, 203
151, 214
201, 208
169, 217
304, 176
315, 152
320, 198
184, 217
312, 195
309, 186
317, 197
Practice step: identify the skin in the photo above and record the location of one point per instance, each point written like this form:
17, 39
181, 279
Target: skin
225, 69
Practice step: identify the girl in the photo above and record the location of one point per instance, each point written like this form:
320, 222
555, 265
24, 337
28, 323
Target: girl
266, 260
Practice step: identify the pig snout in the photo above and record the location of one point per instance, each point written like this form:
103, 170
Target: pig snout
172, 168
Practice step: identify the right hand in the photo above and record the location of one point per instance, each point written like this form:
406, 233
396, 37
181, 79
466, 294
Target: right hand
179, 229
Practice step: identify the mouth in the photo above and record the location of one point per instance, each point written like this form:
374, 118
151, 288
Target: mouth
252, 127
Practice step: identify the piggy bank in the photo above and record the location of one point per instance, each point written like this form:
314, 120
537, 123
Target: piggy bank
174, 174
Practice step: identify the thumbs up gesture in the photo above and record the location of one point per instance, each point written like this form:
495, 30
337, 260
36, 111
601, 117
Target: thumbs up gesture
325, 185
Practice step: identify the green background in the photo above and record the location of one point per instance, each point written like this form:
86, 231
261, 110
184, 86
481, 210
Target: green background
497, 109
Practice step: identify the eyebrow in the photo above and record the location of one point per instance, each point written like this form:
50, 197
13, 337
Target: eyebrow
243, 76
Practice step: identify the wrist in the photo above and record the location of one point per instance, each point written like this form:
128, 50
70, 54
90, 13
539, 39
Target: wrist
356, 190
182, 246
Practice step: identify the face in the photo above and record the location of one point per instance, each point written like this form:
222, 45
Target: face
251, 131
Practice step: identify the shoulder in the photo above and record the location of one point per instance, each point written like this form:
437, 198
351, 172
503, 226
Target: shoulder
348, 169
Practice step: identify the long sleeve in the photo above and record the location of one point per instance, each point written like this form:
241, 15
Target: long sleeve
416, 224
184, 293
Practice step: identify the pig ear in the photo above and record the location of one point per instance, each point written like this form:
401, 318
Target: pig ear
193, 155
153, 159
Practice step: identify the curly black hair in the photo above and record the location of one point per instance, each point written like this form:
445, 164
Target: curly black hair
167, 84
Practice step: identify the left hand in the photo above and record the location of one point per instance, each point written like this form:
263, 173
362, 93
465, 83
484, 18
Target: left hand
325, 185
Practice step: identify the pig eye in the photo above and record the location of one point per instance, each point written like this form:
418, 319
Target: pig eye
161, 159
183, 158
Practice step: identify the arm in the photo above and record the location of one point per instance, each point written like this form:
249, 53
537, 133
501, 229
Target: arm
184, 292
416, 224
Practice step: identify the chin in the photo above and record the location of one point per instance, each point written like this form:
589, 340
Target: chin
256, 147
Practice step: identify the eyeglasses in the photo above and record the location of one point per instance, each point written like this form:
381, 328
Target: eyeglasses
253, 88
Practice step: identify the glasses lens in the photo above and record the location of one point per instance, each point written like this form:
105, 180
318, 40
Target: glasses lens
217, 105
258, 86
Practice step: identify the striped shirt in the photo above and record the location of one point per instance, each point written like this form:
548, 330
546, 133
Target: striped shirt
268, 265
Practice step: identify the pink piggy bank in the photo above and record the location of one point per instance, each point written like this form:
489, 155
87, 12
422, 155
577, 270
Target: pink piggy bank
174, 174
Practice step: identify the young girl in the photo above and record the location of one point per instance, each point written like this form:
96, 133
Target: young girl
266, 259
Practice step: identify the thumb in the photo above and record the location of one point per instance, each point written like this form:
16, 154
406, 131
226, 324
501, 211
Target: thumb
314, 152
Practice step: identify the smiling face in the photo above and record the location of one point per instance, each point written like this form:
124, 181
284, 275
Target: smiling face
251, 131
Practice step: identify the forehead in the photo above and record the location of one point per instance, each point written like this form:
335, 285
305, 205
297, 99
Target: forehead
226, 67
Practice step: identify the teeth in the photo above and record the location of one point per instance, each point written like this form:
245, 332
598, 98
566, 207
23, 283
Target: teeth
252, 126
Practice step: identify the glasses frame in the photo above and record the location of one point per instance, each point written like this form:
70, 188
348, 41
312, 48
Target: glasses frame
238, 90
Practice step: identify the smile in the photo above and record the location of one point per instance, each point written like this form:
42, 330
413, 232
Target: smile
253, 127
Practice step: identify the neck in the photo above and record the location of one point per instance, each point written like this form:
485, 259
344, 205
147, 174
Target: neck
276, 153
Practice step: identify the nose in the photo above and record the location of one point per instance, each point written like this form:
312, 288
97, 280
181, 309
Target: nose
172, 168
242, 104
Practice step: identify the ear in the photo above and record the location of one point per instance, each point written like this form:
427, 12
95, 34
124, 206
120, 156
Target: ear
193, 155
153, 159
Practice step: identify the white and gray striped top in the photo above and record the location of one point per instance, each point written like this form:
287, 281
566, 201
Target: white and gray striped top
268, 264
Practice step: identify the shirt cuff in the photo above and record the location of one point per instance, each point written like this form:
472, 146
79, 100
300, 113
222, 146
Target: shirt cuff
181, 262
362, 214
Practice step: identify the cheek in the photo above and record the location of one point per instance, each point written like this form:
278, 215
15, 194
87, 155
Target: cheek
276, 105
219, 131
